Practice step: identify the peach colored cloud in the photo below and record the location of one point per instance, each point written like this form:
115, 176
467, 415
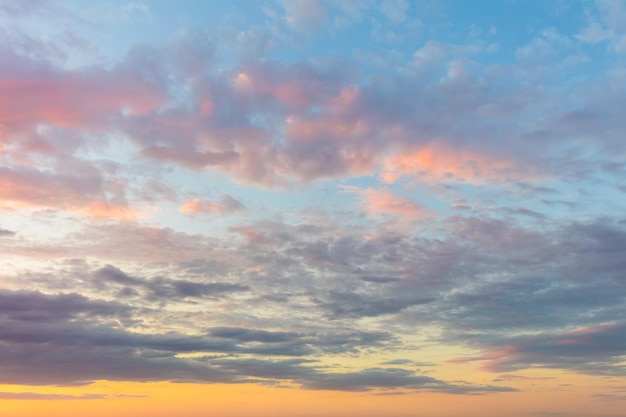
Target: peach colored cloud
101, 210
384, 201
492, 361
435, 162
226, 205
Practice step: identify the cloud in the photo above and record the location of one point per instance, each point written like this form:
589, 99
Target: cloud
159, 288
18, 10
435, 163
384, 201
100, 209
59, 188
348, 304
219, 127
40, 396
248, 335
32, 186
43, 94
409, 192
51, 339
6, 233
190, 158
41, 308
395, 10
305, 14
166, 290
394, 378
594, 350
273, 122
594, 33
558, 278
226, 205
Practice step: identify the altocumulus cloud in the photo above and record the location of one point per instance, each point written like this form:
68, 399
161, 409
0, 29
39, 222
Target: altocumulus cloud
261, 199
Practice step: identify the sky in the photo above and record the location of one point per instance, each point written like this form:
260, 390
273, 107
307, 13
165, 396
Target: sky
341, 208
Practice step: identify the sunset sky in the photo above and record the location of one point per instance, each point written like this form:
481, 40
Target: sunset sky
303, 208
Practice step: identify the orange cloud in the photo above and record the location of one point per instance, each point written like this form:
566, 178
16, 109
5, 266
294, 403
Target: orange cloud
197, 206
100, 209
384, 201
440, 163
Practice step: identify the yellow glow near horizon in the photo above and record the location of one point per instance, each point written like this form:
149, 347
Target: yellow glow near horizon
164, 399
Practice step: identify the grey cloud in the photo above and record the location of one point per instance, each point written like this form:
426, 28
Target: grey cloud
76, 365
306, 373
593, 350
113, 274
41, 396
230, 204
295, 344
344, 304
72, 354
163, 289
292, 369
191, 159
482, 282
379, 280
249, 335
79, 344
373, 378
394, 378
38, 307
6, 233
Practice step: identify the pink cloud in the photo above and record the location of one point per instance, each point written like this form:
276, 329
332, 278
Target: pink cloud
33, 93
295, 86
494, 360
254, 236
568, 349
49, 112
263, 122
60, 188
27, 186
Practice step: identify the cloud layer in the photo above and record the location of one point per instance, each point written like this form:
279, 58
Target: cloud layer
276, 200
